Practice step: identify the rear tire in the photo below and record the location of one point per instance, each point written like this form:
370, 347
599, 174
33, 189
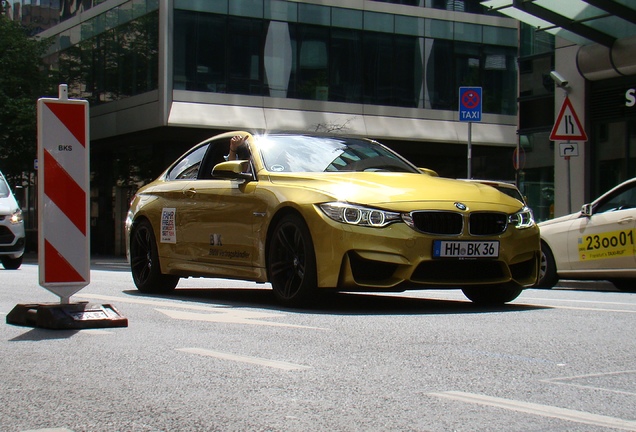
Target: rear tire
11, 263
291, 263
625, 285
144, 262
492, 295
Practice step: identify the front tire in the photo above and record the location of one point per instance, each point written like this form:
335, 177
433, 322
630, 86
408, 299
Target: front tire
144, 262
547, 268
492, 295
291, 263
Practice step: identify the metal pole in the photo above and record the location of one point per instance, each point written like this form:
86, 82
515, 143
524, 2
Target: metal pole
470, 150
569, 184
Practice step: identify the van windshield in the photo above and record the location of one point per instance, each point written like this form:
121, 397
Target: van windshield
4, 188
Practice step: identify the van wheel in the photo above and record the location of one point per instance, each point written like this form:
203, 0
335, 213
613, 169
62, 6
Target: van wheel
11, 263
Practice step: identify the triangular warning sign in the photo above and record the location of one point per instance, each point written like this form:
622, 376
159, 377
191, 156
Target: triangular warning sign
568, 126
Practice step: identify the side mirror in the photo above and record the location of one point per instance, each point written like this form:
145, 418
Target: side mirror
429, 171
586, 210
232, 170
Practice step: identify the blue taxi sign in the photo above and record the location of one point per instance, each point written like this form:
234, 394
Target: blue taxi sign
470, 104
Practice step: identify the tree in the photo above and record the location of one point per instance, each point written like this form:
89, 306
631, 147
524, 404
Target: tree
23, 80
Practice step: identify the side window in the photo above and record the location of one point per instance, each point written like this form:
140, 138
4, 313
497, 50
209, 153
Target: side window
622, 200
218, 153
188, 167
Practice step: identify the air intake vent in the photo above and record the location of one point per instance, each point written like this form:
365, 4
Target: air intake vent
433, 222
488, 223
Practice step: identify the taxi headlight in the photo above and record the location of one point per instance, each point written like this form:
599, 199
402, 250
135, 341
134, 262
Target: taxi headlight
522, 219
358, 215
16, 217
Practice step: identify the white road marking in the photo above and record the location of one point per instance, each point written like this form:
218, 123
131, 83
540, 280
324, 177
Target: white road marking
596, 309
245, 359
564, 381
233, 317
49, 430
541, 410
223, 314
585, 308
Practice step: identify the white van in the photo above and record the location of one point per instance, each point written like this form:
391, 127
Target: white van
12, 238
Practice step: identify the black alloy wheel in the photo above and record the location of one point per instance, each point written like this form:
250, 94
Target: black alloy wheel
292, 262
144, 262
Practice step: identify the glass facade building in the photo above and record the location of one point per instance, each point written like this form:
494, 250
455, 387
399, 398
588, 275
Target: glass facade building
161, 75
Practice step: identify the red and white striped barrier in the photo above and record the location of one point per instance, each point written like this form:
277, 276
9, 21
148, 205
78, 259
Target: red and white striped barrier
63, 195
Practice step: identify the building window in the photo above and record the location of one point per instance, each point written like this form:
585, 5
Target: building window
117, 63
229, 54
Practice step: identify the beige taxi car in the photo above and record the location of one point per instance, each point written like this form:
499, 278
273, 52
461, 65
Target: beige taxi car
596, 243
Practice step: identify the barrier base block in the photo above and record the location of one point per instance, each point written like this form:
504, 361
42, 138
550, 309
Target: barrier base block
64, 316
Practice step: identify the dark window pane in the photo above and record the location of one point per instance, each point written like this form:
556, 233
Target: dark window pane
345, 84
245, 40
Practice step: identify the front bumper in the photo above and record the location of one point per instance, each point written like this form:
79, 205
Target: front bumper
396, 258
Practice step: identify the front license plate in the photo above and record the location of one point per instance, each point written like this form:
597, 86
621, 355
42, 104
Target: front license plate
465, 249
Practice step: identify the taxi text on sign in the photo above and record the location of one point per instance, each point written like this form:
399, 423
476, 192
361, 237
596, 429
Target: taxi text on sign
568, 126
63, 195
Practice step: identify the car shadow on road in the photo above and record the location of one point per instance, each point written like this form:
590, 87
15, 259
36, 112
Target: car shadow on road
336, 303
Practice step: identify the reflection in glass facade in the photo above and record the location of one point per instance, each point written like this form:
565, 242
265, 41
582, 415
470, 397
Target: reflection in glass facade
536, 118
379, 59
289, 50
110, 57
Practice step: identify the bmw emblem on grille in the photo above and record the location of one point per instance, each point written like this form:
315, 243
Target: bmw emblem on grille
460, 206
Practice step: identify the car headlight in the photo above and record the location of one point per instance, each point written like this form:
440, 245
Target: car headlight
358, 215
522, 219
16, 217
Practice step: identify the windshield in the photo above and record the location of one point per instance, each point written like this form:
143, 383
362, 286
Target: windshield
4, 189
298, 153
512, 192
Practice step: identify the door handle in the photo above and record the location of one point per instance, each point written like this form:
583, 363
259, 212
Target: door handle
626, 220
190, 193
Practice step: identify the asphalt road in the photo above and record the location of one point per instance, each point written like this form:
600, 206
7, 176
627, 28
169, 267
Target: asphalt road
220, 355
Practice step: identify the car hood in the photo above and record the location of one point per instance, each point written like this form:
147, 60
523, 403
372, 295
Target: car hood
560, 220
401, 191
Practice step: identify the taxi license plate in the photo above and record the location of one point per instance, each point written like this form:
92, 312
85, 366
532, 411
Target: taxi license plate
465, 249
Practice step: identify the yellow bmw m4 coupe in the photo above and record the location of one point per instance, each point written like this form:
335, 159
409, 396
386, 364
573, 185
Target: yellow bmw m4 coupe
310, 214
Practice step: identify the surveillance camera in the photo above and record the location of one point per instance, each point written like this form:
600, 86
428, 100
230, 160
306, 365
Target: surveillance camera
558, 79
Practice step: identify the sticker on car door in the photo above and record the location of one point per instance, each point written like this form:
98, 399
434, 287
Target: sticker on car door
614, 244
168, 225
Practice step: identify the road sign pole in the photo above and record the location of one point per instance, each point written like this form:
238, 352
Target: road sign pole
470, 111
470, 150
567, 158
